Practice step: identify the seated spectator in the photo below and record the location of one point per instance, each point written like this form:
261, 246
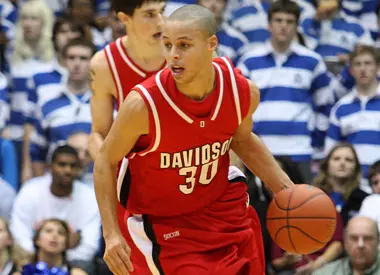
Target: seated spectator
59, 195
51, 242
339, 177
287, 264
371, 204
361, 240
8, 195
355, 118
7, 266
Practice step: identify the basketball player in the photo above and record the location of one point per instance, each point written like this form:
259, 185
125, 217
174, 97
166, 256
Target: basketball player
123, 64
176, 129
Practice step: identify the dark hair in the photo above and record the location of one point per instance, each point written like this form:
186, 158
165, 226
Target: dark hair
285, 6
93, 2
129, 6
362, 49
290, 169
38, 232
79, 42
73, 26
64, 149
373, 170
322, 179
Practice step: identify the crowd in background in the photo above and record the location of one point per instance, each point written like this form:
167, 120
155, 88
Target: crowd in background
316, 63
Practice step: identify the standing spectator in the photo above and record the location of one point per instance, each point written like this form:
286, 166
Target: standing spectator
295, 88
8, 15
355, 118
64, 198
339, 177
231, 41
361, 241
68, 111
7, 267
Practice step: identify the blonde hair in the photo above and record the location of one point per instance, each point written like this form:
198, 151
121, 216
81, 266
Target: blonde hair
322, 179
44, 50
8, 252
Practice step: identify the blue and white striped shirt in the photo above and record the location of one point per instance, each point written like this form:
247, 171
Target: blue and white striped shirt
60, 117
4, 102
356, 119
8, 16
332, 37
296, 98
231, 42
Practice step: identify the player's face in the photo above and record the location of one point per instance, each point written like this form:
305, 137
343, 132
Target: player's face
64, 169
361, 244
342, 163
78, 60
52, 238
283, 27
186, 50
146, 23
215, 6
364, 69
375, 183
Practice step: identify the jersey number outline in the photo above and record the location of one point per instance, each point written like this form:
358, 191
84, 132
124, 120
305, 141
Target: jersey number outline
190, 173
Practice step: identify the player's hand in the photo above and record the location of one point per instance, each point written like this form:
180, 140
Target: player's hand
118, 255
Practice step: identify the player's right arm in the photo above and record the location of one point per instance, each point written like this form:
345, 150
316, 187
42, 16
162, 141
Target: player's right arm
131, 122
102, 101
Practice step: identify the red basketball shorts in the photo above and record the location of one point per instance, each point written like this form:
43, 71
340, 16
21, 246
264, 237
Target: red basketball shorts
224, 238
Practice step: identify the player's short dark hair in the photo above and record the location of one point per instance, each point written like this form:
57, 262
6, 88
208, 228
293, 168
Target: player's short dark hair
373, 170
285, 6
73, 26
129, 6
365, 49
79, 42
200, 17
64, 150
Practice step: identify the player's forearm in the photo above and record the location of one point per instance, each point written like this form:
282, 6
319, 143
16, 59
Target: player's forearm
261, 162
106, 196
95, 143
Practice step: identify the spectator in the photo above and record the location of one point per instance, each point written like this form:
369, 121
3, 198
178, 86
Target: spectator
331, 34
231, 41
295, 88
371, 204
8, 195
355, 117
339, 177
7, 266
8, 15
69, 110
51, 242
361, 240
58, 195
115, 29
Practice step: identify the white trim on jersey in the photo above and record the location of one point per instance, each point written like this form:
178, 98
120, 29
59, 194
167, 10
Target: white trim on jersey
155, 117
115, 73
170, 101
135, 226
221, 91
234, 89
126, 59
120, 178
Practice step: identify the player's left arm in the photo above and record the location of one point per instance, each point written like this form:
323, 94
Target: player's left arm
252, 151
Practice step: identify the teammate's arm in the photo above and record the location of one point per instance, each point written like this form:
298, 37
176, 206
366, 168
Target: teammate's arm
101, 102
252, 151
130, 123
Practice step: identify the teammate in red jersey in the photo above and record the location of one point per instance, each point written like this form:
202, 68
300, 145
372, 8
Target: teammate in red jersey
176, 129
122, 64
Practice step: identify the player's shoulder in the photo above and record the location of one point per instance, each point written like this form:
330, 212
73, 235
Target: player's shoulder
99, 61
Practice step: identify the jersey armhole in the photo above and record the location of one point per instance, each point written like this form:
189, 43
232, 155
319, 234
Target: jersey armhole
154, 121
115, 75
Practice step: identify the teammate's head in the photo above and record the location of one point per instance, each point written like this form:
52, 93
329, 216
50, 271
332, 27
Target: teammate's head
142, 18
189, 41
283, 16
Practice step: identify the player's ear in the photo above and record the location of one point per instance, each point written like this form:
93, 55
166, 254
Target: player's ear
123, 17
212, 43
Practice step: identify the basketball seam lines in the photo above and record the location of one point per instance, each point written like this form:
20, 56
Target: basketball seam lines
287, 221
298, 206
295, 227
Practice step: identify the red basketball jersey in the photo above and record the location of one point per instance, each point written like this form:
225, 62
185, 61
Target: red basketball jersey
125, 73
182, 165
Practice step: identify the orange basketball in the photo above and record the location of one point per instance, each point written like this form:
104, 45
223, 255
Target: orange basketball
301, 219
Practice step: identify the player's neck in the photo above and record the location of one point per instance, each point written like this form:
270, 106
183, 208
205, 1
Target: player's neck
368, 90
201, 86
147, 57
